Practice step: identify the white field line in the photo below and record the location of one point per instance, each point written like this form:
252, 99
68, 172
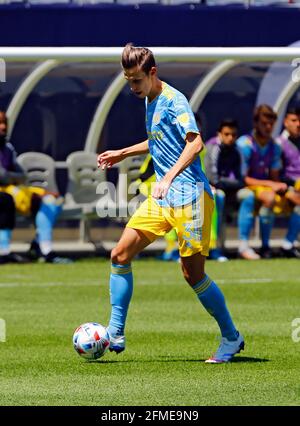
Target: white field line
96, 283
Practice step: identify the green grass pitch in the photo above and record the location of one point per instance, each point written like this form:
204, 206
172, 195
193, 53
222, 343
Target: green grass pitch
169, 335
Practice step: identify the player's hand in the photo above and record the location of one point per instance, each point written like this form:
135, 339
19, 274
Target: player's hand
161, 189
280, 187
109, 158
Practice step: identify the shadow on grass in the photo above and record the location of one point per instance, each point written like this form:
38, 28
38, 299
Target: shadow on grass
249, 359
244, 359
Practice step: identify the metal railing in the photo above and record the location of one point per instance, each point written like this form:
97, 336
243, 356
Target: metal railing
47, 58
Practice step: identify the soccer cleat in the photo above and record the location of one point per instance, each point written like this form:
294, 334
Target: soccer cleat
227, 350
249, 254
290, 253
117, 344
52, 257
266, 252
13, 258
34, 251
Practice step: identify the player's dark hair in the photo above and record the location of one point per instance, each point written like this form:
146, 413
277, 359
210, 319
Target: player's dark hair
137, 56
228, 122
295, 110
265, 111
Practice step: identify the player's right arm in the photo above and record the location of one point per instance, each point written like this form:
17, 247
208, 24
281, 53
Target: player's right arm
109, 158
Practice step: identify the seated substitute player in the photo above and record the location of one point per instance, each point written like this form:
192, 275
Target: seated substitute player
174, 143
42, 206
262, 158
223, 165
289, 141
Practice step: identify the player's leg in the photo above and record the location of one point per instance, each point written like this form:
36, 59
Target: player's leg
266, 220
131, 243
212, 299
288, 249
246, 198
194, 247
142, 229
49, 209
7, 223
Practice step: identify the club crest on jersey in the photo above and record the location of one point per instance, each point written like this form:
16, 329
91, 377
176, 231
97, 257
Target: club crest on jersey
156, 118
183, 118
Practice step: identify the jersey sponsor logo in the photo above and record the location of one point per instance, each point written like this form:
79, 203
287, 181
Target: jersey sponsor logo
156, 118
183, 119
155, 135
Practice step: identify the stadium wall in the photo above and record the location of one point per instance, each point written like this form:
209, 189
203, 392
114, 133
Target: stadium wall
58, 112
151, 25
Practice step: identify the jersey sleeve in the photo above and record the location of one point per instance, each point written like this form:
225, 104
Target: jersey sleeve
276, 160
244, 147
183, 117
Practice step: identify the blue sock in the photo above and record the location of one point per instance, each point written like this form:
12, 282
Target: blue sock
121, 287
45, 219
294, 227
266, 222
5, 239
213, 301
246, 217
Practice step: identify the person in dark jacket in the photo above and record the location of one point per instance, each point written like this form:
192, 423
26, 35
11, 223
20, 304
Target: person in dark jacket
41, 205
223, 166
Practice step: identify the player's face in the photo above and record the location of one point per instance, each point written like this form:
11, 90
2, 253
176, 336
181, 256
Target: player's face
292, 125
264, 127
228, 135
139, 82
3, 124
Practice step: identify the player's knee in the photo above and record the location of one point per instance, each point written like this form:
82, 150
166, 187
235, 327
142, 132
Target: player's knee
245, 194
119, 256
296, 210
268, 199
191, 276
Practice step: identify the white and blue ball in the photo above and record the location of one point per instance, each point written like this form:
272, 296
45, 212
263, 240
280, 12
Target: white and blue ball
91, 340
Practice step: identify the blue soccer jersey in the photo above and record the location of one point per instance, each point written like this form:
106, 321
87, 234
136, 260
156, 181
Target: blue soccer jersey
258, 161
169, 119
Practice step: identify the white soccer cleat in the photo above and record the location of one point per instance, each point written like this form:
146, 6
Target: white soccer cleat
249, 254
227, 350
117, 344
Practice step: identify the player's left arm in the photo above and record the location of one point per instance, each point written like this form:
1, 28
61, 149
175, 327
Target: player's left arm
193, 147
14, 174
275, 170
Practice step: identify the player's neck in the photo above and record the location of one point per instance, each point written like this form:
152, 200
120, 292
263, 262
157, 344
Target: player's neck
156, 90
260, 139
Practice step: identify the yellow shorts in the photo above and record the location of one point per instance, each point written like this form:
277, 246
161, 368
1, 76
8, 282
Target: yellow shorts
192, 223
282, 204
22, 196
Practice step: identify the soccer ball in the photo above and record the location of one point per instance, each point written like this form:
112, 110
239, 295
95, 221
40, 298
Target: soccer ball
91, 340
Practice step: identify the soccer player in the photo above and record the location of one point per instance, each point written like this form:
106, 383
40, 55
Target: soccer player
174, 143
223, 165
289, 141
30, 201
262, 157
